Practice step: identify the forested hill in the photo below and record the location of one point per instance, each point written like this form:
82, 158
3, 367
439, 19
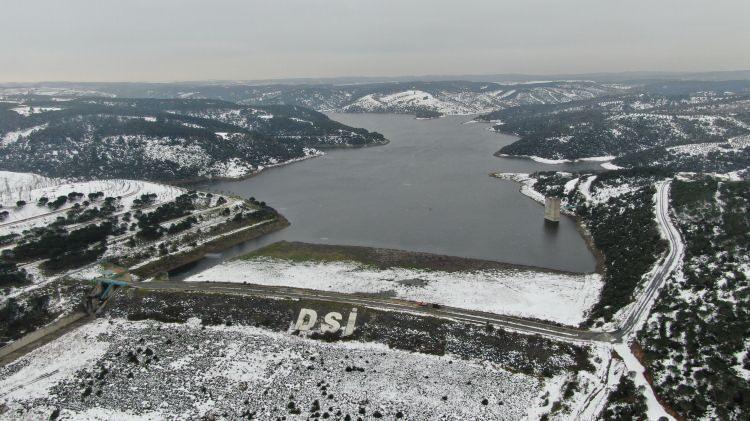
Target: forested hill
680, 131
161, 139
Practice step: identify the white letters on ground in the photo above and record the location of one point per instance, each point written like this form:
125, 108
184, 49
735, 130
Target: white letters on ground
331, 323
306, 319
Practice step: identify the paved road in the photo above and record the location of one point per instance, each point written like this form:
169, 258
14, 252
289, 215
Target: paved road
509, 322
639, 311
631, 323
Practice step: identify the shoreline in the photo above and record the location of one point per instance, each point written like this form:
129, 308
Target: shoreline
200, 180
563, 298
589, 239
528, 191
606, 161
218, 244
450, 261
386, 258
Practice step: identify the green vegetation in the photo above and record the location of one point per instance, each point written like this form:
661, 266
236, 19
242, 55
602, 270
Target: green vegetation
530, 354
170, 139
374, 257
626, 402
38, 307
551, 183
57, 242
696, 340
21, 318
11, 275
64, 249
717, 162
427, 114
625, 231
149, 223
8, 239
635, 126
302, 252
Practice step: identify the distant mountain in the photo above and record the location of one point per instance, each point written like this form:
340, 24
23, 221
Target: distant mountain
468, 97
556, 120
602, 77
160, 139
445, 97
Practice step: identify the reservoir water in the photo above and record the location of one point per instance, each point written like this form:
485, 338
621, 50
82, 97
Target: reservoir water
428, 190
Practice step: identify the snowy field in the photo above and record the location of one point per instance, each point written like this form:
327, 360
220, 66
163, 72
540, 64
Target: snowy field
31, 187
406, 99
527, 184
735, 144
563, 298
115, 369
13, 184
13, 136
592, 193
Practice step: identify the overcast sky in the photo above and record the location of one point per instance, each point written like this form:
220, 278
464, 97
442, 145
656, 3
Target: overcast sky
169, 40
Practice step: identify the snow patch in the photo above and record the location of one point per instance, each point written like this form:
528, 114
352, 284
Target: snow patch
12, 137
44, 367
561, 297
26, 110
655, 410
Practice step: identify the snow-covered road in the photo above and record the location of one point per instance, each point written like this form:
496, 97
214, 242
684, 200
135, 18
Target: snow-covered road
638, 311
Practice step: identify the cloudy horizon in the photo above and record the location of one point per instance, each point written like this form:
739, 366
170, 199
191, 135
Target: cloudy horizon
171, 40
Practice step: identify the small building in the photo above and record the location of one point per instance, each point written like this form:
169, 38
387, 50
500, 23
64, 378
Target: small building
552, 209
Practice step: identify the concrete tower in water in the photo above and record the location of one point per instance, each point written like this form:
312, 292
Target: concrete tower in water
552, 210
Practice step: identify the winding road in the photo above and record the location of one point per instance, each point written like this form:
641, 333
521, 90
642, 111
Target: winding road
644, 300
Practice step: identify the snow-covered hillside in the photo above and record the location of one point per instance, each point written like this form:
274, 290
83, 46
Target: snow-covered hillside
445, 97
487, 98
407, 101
634, 130
242, 364
30, 188
175, 140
